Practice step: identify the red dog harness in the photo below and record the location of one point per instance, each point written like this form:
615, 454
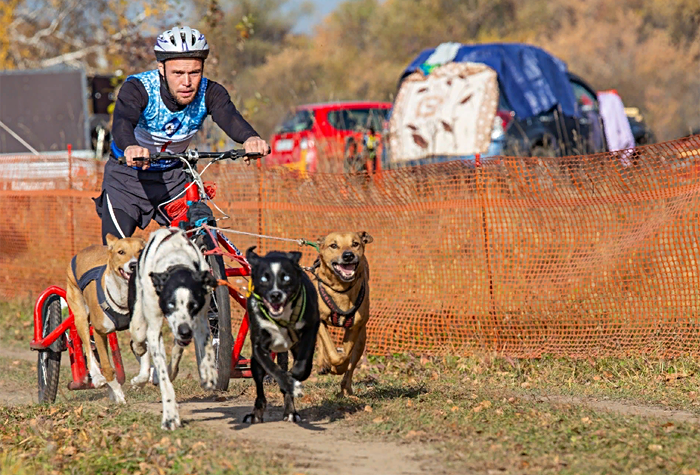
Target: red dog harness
348, 316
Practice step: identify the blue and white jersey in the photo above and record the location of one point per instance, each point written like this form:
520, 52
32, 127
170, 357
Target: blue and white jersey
161, 130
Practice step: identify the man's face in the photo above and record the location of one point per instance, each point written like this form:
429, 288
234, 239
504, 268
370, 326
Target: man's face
183, 77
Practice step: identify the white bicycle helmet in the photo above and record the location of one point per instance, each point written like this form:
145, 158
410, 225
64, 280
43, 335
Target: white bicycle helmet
181, 42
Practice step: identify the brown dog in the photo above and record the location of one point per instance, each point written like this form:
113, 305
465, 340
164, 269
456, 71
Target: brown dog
97, 294
342, 281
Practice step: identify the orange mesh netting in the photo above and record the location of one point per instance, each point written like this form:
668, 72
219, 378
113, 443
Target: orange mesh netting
576, 256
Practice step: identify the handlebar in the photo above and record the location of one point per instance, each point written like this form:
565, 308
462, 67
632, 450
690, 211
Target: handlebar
192, 156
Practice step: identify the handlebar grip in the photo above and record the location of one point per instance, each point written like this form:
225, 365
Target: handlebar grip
122, 160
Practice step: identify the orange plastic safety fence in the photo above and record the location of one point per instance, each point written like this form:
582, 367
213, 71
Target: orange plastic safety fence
575, 256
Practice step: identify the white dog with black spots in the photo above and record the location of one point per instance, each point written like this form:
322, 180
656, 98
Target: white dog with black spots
172, 281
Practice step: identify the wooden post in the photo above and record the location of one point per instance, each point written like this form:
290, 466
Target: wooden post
71, 215
487, 250
260, 206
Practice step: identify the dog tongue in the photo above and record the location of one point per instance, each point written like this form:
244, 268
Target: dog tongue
347, 267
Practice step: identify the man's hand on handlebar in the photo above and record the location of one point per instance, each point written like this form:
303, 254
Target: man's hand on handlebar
255, 146
135, 154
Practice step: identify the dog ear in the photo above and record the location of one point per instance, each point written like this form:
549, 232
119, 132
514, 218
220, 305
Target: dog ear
294, 256
366, 238
159, 281
251, 256
320, 241
208, 281
111, 240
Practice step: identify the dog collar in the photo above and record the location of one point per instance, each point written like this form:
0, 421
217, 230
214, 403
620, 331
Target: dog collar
298, 301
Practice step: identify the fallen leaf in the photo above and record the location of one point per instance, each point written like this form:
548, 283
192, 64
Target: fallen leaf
674, 376
369, 408
378, 420
586, 420
411, 434
199, 446
79, 411
454, 408
409, 403
525, 385
16, 362
655, 447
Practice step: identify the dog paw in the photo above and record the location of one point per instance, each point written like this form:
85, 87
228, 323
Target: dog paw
139, 380
115, 393
297, 391
208, 377
98, 380
293, 417
170, 423
208, 385
252, 418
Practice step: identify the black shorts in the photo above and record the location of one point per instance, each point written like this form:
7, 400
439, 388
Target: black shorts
137, 192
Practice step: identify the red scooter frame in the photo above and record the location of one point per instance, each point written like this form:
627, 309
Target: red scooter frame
240, 368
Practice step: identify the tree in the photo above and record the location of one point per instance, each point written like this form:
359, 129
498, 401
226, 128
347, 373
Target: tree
100, 36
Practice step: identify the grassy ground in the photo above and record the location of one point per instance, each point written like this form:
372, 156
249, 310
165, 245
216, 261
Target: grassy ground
484, 414
97, 438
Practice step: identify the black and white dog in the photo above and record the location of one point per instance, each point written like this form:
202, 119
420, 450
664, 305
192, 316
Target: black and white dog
172, 281
283, 313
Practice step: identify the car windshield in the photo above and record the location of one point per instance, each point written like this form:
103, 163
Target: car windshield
586, 101
296, 122
354, 119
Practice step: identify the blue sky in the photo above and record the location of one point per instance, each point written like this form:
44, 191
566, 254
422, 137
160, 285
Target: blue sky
321, 9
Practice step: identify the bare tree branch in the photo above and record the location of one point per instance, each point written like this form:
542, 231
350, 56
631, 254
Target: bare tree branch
81, 53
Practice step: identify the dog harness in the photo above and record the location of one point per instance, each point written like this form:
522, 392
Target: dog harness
121, 320
348, 316
336, 313
299, 302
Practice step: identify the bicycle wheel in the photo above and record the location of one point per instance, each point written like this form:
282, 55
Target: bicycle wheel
49, 360
219, 317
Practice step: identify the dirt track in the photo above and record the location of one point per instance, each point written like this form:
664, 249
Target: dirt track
314, 447
320, 446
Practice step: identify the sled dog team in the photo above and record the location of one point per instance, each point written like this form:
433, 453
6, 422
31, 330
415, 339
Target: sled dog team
136, 285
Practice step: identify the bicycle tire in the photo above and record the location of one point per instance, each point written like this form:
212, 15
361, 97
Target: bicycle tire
49, 360
221, 306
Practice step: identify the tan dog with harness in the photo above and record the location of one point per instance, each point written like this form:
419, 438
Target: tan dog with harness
97, 294
342, 281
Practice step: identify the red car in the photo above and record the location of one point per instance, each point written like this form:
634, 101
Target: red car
315, 137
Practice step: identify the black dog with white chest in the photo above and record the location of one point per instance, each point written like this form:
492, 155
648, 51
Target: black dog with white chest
283, 313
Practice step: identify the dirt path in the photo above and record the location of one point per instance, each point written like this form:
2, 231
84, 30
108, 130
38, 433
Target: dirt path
624, 408
314, 447
321, 446
22, 354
